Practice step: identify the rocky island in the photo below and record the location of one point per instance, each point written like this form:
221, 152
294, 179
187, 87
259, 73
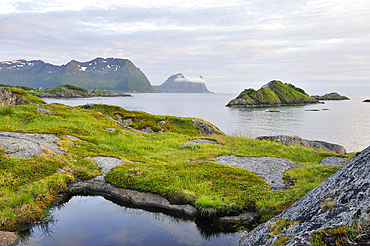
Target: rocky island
178, 83
175, 163
331, 96
275, 93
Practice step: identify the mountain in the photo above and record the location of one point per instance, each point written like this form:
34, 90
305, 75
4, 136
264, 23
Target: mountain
178, 83
103, 74
275, 93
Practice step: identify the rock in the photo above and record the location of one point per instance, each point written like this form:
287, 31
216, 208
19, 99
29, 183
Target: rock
348, 192
107, 163
203, 141
333, 161
204, 128
275, 93
110, 129
44, 111
8, 98
271, 169
137, 197
27, 145
8, 238
311, 144
73, 137
366, 100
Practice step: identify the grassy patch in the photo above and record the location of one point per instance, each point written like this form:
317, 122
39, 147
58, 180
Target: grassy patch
153, 162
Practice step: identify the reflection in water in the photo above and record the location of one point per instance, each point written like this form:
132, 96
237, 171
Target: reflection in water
97, 220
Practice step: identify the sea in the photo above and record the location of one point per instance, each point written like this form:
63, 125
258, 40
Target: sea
346, 123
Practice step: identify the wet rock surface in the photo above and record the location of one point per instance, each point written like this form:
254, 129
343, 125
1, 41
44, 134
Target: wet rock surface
27, 145
271, 169
348, 189
311, 144
8, 238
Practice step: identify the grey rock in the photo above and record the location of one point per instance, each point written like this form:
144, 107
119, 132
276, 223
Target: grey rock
312, 144
27, 145
110, 129
107, 163
44, 111
147, 129
73, 137
271, 169
60, 171
204, 128
349, 188
8, 98
161, 122
333, 161
9, 238
134, 196
203, 141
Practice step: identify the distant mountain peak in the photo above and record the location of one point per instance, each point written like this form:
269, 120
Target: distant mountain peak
180, 83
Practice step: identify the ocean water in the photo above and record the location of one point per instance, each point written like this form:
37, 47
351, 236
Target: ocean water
342, 122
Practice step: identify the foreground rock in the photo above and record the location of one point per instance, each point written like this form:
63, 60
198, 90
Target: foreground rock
204, 128
8, 98
311, 144
275, 93
347, 191
271, 169
8, 238
27, 145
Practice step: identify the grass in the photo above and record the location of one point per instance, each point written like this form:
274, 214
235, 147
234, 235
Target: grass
153, 162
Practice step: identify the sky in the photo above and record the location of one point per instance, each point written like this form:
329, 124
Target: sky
318, 45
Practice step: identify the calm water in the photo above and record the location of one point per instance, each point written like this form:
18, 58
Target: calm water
346, 122
94, 220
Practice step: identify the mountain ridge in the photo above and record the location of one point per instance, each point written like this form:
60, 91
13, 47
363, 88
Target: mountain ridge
113, 74
178, 83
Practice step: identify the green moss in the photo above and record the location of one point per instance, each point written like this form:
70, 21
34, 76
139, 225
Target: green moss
276, 228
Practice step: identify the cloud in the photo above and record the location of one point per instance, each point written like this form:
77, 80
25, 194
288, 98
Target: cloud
190, 79
234, 44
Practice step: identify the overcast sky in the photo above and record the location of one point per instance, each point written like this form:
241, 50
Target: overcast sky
319, 45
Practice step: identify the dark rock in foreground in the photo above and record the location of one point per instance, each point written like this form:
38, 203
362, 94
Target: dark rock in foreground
348, 192
311, 144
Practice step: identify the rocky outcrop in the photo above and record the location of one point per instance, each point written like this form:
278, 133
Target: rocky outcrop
366, 100
275, 93
204, 128
27, 145
346, 194
8, 98
271, 169
311, 144
331, 96
178, 83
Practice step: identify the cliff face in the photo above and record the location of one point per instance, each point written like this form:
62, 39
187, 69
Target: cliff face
8, 98
110, 74
178, 83
275, 93
340, 200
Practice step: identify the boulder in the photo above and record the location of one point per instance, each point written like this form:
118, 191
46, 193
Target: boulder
204, 128
340, 200
8, 238
311, 144
8, 98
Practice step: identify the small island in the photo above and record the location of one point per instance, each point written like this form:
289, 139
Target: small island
331, 96
366, 100
72, 91
275, 93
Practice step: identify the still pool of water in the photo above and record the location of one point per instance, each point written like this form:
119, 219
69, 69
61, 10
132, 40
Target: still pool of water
98, 220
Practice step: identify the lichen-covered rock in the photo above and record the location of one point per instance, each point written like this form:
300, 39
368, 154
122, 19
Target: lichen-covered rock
8, 238
348, 193
311, 144
204, 128
8, 98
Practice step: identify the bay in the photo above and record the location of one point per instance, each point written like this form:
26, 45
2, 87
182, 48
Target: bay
342, 122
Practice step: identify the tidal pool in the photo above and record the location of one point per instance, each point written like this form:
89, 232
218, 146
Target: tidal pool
98, 220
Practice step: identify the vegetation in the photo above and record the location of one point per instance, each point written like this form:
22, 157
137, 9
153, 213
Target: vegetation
274, 93
331, 96
153, 162
69, 90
